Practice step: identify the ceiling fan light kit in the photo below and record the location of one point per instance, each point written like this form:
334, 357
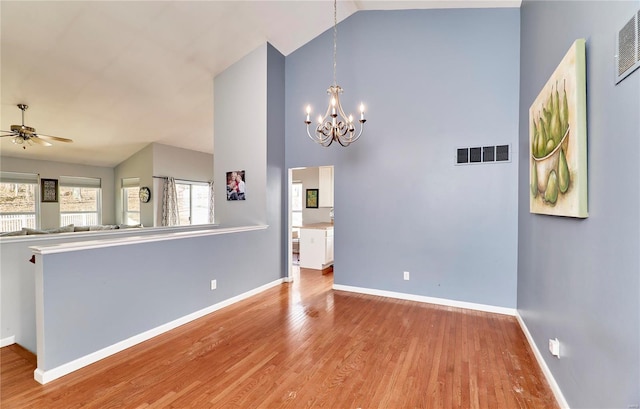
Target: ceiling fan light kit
26, 135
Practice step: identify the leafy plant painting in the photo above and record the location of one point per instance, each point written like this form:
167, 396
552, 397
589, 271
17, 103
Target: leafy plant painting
558, 139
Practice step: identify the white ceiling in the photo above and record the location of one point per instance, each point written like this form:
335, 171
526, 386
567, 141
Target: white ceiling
115, 76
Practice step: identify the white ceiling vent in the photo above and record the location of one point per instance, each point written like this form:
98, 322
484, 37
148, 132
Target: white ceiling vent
628, 48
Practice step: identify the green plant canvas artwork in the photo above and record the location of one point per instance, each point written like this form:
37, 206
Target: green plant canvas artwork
558, 140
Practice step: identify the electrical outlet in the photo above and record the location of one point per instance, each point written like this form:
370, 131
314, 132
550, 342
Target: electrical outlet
554, 347
214, 284
406, 275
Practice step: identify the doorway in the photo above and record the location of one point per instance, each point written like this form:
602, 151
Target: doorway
310, 221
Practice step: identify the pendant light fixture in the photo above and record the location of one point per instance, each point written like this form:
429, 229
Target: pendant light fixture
335, 125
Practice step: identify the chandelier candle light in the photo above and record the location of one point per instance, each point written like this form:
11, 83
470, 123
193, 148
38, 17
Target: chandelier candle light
335, 125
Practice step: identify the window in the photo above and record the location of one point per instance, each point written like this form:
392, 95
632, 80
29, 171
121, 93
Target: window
19, 201
80, 201
296, 204
131, 201
193, 202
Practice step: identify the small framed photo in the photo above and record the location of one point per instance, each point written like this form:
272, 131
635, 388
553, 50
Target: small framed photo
49, 190
236, 185
312, 198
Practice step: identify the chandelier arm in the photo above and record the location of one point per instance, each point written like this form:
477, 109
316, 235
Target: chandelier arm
326, 132
345, 117
359, 133
309, 134
345, 144
322, 133
351, 138
316, 133
327, 114
327, 143
320, 138
330, 133
342, 129
325, 138
346, 141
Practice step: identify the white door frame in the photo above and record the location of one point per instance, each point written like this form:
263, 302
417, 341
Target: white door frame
289, 276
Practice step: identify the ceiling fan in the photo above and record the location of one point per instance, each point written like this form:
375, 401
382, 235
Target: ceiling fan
23, 135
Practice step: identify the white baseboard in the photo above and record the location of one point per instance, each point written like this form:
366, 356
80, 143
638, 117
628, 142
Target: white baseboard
555, 388
7, 341
43, 376
430, 300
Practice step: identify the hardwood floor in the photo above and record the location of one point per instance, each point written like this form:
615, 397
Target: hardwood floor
303, 345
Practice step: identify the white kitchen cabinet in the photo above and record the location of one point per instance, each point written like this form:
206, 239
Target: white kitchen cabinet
328, 252
316, 247
325, 186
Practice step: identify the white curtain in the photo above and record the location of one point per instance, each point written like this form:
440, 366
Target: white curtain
169, 203
211, 202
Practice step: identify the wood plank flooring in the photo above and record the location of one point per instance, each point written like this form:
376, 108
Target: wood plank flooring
303, 345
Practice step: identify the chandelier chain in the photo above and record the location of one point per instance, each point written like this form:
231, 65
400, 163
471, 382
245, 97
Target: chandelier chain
335, 38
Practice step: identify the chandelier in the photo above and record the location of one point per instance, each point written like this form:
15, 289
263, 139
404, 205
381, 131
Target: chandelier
335, 125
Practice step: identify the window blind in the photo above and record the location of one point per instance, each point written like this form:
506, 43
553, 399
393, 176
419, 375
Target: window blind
74, 181
16, 177
130, 182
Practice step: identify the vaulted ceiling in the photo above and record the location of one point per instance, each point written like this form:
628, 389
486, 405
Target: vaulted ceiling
115, 76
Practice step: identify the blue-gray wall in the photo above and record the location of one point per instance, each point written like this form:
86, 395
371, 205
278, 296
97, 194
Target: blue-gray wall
95, 298
17, 275
276, 172
578, 280
431, 81
240, 134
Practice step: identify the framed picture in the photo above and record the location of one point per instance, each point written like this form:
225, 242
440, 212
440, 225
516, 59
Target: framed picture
235, 185
49, 190
312, 198
558, 140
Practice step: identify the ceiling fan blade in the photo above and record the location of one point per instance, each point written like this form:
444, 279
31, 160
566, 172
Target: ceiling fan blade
9, 132
39, 141
53, 138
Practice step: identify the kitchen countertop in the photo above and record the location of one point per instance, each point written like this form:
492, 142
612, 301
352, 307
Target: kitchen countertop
320, 226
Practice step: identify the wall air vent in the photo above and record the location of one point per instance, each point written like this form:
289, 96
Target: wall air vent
502, 153
484, 154
627, 58
475, 155
463, 155
489, 154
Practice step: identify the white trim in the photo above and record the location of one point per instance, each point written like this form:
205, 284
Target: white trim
4, 342
555, 388
124, 241
431, 300
43, 376
105, 234
289, 277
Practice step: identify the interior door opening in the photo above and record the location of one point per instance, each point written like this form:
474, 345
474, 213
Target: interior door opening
310, 221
